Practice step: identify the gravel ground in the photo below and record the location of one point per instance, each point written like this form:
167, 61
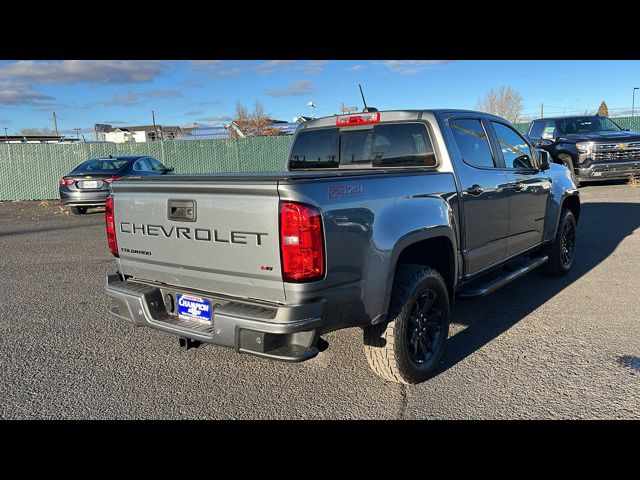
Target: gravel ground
539, 348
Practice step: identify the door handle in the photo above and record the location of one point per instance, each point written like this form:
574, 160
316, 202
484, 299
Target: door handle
475, 190
518, 187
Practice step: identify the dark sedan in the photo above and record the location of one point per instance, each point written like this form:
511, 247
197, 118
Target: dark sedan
89, 184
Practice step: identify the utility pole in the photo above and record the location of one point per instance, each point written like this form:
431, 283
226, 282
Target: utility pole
77, 132
542, 110
6, 135
312, 106
55, 124
633, 101
155, 129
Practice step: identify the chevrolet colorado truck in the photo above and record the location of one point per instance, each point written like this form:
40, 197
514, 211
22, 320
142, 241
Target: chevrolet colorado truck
379, 222
592, 147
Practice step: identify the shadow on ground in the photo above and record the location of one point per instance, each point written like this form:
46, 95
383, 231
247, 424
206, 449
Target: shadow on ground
601, 228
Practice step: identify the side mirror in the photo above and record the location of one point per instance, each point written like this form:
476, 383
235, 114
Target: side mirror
544, 159
626, 129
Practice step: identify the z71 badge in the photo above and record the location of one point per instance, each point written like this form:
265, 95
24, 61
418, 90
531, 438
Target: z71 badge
340, 191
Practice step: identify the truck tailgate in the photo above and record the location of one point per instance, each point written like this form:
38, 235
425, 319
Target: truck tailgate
215, 236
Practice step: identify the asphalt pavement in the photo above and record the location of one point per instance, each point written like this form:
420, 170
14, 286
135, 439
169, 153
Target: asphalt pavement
538, 348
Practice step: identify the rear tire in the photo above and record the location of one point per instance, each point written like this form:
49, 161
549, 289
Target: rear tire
78, 210
408, 348
561, 251
568, 162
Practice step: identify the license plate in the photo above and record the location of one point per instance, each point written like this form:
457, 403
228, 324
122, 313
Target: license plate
597, 174
193, 308
90, 184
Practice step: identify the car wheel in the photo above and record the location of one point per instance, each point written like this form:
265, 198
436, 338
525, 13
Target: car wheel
561, 251
408, 348
568, 162
78, 210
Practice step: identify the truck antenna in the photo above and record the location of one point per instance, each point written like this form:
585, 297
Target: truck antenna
366, 109
362, 95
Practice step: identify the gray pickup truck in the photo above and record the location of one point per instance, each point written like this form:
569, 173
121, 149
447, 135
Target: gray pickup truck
381, 220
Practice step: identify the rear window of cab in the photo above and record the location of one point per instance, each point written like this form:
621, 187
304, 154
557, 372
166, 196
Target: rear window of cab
382, 145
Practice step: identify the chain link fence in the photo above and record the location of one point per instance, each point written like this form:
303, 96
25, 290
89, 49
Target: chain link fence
30, 171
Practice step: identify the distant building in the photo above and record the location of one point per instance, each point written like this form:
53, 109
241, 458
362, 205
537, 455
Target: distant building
36, 139
210, 133
203, 133
136, 134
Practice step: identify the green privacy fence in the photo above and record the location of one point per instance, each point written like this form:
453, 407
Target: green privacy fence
30, 171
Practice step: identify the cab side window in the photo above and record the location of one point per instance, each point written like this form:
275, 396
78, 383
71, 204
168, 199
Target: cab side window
515, 149
472, 142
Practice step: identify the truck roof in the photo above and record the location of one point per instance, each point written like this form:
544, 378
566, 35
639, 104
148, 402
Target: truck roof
396, 115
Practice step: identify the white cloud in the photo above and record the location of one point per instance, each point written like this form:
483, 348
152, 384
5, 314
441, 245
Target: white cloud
75, 71
269, 67
206, 63
12, 93
356, 68
313, 67
226, 73
134, 98
409, 67
301, 87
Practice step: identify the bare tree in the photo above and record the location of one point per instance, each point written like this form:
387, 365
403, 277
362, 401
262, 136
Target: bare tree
36, 131
603, 110
506, 103
253, 124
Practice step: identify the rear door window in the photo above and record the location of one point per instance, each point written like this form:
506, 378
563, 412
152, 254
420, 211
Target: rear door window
472, 142
155, 165
142, 165
106, 166
383, 145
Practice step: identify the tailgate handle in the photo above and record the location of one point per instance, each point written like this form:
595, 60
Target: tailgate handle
182, 210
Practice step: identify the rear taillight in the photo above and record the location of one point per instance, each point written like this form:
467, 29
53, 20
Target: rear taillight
359, 119
65, 181
301, 242
111, 226
109, 180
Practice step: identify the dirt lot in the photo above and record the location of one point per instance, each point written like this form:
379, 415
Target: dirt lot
538, 348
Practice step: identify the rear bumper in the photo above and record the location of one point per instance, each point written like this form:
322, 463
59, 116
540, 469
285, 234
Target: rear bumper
609, 171
288, 333
84, 198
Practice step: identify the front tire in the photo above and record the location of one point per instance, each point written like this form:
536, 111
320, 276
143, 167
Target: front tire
561, 251
408, 348
568, 162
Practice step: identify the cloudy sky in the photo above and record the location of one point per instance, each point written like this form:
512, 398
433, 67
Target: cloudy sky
123, 92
